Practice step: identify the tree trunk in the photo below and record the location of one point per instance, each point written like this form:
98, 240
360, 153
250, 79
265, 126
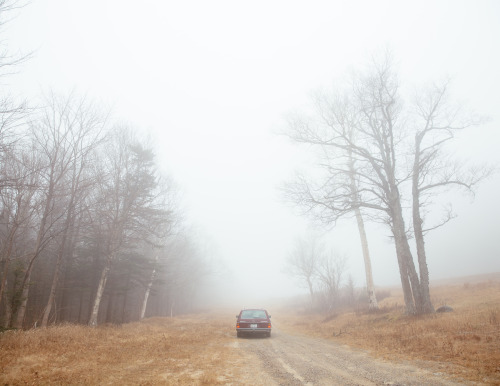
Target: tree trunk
65, 312
148, 290
59, 262
38, 247
8, 310
109, 307
403, 274
426, 306
98, 296
311, 290
19, 320
3, 284
5, 270
8, 252
370, 286
124, 316
408, 273
53, 288
80, 319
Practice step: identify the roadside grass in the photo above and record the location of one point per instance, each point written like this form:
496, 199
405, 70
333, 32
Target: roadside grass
202, 349
191, 350
464, 343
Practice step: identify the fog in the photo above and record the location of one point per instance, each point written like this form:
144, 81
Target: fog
212, 82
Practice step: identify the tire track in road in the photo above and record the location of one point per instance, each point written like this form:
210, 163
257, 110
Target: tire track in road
287, 359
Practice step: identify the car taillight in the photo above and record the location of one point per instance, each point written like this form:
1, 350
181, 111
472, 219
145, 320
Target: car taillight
237, 325
269, 325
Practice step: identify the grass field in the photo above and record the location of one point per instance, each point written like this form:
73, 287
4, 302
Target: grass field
200, 348
192, 350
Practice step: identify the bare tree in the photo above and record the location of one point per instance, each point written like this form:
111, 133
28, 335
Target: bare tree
336, 108
364, 135
373, 109
12, 115
303, 262
330, 270
86, 125
52, 135
18, 215
437, 122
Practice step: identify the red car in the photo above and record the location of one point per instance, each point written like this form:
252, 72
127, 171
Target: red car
253, 321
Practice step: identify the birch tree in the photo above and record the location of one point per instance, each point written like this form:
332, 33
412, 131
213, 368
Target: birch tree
148, 288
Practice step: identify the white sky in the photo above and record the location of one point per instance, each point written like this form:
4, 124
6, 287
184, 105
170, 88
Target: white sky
212, 80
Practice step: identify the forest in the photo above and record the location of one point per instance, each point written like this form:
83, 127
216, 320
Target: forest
91, 230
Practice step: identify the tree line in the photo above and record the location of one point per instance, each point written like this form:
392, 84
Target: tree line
382, 158
90, 228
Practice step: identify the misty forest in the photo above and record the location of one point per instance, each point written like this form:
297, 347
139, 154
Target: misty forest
92, 228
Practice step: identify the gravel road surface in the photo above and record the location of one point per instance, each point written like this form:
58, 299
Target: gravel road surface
286, 359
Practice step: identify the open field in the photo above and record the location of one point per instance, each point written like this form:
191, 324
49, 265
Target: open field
155, 351
203, 349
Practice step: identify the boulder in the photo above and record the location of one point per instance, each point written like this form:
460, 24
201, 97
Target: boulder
444, 309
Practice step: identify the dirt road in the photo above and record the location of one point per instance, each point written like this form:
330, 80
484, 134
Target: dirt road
286, 359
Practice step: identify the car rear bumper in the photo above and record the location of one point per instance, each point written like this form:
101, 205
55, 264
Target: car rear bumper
258, 330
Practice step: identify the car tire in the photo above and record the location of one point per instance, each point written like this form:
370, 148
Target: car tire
268, 334
238, 334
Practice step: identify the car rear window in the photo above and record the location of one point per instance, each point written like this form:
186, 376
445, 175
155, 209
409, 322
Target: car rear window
253, 314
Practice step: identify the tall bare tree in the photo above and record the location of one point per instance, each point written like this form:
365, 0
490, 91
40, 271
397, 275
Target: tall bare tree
437, 121
86, 126
372, 108
18, 216
52, 135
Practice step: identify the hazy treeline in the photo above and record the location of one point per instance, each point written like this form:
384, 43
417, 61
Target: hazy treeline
90, 229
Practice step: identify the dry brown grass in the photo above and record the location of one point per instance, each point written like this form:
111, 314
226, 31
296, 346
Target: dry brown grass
200, 349
465, 342
190, 350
